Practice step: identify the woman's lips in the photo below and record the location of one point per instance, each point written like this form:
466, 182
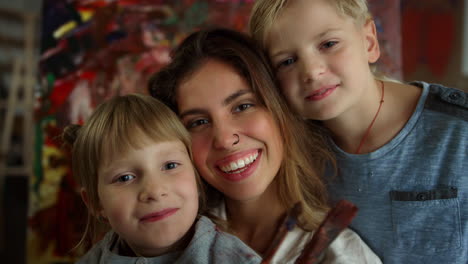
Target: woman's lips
321, 93
241, 173
160, 215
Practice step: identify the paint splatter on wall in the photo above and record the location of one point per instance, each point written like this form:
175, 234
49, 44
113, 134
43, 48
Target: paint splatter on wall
93, 50
429, 35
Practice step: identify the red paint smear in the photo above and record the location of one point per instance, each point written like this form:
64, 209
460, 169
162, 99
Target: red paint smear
63, 88
60, 93
441, 35
412, 21
427, 35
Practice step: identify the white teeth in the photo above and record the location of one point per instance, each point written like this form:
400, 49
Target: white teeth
239, 164
234, 166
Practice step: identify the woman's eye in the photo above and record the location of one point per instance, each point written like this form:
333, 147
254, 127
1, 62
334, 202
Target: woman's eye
170, 166
125, 178
329, 44
197, 123
242, 107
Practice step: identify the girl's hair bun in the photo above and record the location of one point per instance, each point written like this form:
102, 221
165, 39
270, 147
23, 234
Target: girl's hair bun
70, 134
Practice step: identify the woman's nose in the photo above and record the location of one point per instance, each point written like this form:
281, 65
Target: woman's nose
224, 137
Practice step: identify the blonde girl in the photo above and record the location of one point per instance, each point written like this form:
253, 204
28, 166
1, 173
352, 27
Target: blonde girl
133, 161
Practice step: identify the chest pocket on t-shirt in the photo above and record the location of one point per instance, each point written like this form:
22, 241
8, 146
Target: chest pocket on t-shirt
426, 221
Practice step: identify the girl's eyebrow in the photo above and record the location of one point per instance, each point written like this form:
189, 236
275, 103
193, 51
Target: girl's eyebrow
225, 102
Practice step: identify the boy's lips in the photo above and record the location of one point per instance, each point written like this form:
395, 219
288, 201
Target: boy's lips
156, 216
321, 93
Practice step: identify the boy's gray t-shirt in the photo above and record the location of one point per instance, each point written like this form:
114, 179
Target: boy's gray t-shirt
412, 193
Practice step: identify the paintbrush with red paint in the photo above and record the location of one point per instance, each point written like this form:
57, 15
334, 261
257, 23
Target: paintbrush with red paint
336, 221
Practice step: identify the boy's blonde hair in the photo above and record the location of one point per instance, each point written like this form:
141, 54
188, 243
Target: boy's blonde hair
116, 126
265, 12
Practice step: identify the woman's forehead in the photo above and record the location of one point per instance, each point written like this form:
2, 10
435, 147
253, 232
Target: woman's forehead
215, 79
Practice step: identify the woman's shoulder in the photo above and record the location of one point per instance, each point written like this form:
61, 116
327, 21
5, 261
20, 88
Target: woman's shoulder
348, 247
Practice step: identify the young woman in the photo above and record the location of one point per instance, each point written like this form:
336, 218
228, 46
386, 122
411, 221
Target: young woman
257, 157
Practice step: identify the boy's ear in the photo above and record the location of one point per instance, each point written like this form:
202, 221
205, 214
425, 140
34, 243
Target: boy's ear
370, 34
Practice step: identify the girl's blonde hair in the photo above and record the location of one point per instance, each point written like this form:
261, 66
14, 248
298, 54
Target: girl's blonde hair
305, 152
116, 126
265, 12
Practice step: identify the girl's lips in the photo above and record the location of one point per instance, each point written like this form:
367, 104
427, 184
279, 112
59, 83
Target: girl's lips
321, 93
243, 173
153, 217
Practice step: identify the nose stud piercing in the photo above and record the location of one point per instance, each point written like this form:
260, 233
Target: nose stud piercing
237, 141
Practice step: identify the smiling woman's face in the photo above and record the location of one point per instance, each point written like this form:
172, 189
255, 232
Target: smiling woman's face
216, 103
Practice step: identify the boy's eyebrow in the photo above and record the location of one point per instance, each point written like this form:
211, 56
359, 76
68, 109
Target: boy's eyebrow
276, 53
225, 102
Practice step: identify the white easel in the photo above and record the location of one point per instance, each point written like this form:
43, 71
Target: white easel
22, 83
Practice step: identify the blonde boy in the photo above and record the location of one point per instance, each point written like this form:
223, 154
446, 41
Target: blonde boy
401, 148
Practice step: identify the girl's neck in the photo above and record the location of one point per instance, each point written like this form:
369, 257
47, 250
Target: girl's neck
349, 128
256, 221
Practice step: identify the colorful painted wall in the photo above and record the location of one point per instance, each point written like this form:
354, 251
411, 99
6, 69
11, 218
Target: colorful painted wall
93, 50
432, 41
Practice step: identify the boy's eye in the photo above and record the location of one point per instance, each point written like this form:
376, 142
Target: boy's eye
125, 178
170, 165
329, 44
242, 107
197, 123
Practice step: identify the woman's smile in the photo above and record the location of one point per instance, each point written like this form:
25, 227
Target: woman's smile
235, 140
234, 164
240, 168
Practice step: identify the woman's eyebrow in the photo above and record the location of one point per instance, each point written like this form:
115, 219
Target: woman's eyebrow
234, 96
194, 111
225, 102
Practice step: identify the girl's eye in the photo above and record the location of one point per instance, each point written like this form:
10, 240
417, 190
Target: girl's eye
286, 62
329, 44
171, 165
125, 178
242, 107
197, 123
